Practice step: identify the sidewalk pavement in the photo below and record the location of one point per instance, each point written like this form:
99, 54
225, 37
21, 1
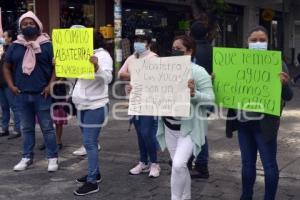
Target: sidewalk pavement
119, 154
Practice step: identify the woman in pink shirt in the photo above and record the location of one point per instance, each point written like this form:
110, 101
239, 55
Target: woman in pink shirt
145, 126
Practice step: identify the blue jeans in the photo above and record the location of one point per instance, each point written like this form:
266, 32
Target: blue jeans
146, 128
32, 105
251, 141
91, 122
8, 100
202, 158
296, 78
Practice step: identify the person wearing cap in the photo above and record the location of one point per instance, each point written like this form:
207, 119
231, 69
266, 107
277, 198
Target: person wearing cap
145, 126
29, 72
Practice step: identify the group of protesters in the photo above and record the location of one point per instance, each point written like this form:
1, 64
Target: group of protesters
27, 76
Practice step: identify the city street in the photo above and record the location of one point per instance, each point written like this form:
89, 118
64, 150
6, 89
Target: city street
119, 154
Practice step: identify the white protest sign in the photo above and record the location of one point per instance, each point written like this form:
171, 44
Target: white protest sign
160, 86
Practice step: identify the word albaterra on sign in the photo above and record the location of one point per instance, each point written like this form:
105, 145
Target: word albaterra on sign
64, 54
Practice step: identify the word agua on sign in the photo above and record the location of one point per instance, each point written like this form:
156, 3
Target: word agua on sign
250, 75
249, 58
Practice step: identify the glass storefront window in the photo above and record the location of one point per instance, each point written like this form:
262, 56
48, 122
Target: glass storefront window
164, 20
12, 10
77, 12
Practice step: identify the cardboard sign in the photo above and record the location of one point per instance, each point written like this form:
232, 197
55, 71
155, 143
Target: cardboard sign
248, 79
72, 51
160, 86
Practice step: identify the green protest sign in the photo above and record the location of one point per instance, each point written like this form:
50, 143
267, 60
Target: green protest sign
248, 79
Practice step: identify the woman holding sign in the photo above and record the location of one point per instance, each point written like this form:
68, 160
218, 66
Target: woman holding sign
145, 126
259, 134
185, 136
91, 100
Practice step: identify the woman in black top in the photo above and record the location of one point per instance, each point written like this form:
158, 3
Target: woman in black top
259, 135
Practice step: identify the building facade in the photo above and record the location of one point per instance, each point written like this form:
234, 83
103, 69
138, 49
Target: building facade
280, 17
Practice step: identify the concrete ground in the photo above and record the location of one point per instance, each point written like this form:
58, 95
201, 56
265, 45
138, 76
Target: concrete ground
119, 154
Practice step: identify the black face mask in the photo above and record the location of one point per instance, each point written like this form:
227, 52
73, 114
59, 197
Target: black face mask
30, 31
177, 53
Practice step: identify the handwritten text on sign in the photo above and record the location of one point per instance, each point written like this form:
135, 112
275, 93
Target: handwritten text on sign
248, 79
160, 86
72, 51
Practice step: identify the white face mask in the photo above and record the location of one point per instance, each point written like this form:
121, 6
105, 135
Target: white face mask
258, 45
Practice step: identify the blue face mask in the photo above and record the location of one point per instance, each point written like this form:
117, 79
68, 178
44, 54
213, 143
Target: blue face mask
258, 45
2, 41
140, 47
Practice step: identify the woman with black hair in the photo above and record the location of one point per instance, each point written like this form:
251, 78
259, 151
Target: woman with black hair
7, 99
259, 134
145, 126
184, 137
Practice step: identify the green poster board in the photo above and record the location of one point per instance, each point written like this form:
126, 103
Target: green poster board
248, 79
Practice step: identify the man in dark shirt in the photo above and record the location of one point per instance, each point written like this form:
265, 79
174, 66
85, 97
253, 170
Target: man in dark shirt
29, 72
203, 57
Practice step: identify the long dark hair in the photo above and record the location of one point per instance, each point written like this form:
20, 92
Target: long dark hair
188, 42
99, 41
12, 34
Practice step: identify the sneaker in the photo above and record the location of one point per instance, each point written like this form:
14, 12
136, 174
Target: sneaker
87, 188
154, 170
201, 172
60, 146
139, 168
14, 136
52, 164
83, 179
42, 147
4, 133
23, 164
82, 152
190, 163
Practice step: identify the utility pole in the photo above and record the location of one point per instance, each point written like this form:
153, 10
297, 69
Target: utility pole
118, 34
283, 26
